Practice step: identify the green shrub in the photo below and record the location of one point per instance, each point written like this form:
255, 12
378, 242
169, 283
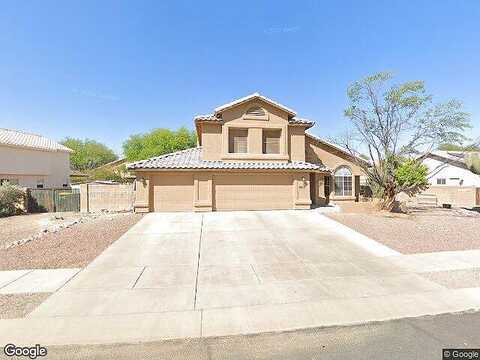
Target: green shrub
11, 198
411, 175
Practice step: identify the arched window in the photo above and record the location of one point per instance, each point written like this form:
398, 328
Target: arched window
256, 111
343, 181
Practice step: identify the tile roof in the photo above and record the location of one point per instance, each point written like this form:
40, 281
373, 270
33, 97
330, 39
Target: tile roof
255, 95
208, 117
457, 158
293, 121
191, 159
27, 140
300, 121
450, 155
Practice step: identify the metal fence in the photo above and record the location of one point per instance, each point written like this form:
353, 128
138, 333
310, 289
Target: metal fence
53, 200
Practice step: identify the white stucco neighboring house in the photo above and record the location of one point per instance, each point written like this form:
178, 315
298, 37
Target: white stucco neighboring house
450, 180
32, 160
448, 168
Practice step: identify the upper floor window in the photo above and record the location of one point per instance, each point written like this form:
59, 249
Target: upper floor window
271, 141
255, 111
343, 181
237, 140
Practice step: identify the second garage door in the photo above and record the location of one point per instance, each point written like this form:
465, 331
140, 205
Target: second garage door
173, 192
253, 192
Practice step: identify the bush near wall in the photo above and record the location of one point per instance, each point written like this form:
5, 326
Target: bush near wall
12, 198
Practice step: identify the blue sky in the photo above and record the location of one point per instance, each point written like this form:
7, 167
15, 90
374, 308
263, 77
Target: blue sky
109, 69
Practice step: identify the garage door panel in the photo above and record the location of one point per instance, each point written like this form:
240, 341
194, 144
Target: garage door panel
253, 192
173, 192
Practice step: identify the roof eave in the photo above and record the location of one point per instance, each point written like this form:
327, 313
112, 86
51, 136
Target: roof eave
305, 125
231, 169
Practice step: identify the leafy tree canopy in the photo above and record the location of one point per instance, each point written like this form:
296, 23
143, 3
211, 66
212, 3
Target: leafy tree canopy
88, 154
158, 142
393, 122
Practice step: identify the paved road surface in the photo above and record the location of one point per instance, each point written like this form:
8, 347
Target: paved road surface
419, 338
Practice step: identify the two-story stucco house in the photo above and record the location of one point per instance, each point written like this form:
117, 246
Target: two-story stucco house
33, 161
252, 154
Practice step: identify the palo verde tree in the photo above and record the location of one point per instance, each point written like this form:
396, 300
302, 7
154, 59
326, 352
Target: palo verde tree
391, 124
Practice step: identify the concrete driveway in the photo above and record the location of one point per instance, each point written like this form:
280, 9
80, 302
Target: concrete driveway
188, 275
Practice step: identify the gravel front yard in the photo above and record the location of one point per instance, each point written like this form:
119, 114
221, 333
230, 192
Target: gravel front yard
71, 247
19, 305
20, 227
422, 231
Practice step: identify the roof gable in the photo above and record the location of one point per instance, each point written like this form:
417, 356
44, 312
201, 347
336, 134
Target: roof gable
251, 97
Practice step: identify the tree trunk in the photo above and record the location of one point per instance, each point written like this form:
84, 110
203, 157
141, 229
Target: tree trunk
389, 194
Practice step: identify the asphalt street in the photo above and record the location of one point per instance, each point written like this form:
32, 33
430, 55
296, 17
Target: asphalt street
417, 338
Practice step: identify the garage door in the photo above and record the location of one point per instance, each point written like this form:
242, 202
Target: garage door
173, 192
253, 192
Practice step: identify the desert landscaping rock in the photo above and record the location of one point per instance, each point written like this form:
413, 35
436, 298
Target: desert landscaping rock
73, 246
19, 305
420, 231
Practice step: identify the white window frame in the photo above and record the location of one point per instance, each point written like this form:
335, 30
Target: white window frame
343, 175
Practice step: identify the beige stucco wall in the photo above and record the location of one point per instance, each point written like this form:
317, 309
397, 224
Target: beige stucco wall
320, 153
211, 141
457, 196
31, 166
102, 197
274, 119
297, 143
215, 136
199, 192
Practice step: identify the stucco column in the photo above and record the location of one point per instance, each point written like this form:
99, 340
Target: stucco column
301, 191
84, 206
321, 199
203, 192
255, 139
142, 193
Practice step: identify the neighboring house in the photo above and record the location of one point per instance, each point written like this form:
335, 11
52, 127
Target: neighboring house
252, 154
33, 161
451, 182
449, 168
